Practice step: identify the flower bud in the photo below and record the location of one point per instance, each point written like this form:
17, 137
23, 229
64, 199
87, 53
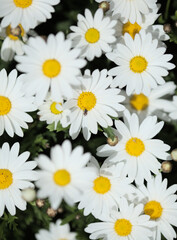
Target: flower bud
166, 167
174, 154
104, 5
112, 142
167, 28
51, 212
29, 194
40, 203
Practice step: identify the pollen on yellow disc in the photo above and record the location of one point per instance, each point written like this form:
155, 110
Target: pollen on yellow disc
51, 68
139, 102
62, 177
134, 147
5, 105
86, 101
23, 3
102, 185
131, 29
153, 209
6, 178
53, 108
138, 64
92, 35
123, 227
15, 33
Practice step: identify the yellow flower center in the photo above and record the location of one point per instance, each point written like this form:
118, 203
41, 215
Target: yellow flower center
23, 3
92, 35
15, 33
62, 177
102, 185
53, 108
138, 64
6, 178
153, 209
135, 147
123, 227
51, 68
139, 102
86, 101
5, 105
131, 29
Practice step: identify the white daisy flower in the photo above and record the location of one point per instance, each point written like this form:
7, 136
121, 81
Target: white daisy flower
125, 224
173, 111
131, 10
147, 24
50, 65
64, 175
13, 42
104, 189
14, 104
54, 112
160, 204
93, 103
15, 174
28, 13
141, 63
154, 104
94, 34
137, 148
56, 232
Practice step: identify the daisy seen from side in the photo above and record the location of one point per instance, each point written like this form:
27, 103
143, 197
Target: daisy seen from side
50, 65
124, 224
56, 232
54, 112
104, 189
160, 204
63, 177
14, 104
156, 103
13, 42
28, 13
94, 34
16, 173
136, 148
93, 103
142, 64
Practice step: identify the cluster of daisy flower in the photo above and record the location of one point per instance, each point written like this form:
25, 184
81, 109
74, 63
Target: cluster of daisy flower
126, 194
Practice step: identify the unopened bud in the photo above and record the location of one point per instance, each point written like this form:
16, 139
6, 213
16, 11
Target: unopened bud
78, 217
60, 210
104, 5
174, 154
112, 142
166, 167
40, 203
51, 212
167, 28
29, 194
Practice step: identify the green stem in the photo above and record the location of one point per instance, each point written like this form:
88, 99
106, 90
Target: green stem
167, 9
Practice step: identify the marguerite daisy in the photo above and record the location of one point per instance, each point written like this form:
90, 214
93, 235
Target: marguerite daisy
93, 34
28, 13
50, 65
141, 63
126, 224
56, 232
15, 174
13, 42
137, 148
64, 175
14, 104
104, 189
160, 204
153, 104
131, 10
54, 112
93, 103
